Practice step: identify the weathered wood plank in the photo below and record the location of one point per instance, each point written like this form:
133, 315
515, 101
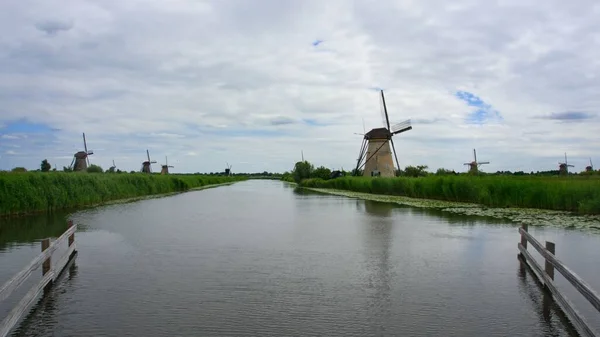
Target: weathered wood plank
62, 263
570, 275
9, 286
15, 315
576, 319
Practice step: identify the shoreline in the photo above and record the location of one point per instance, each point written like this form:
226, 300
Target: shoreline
530, 216
4, 217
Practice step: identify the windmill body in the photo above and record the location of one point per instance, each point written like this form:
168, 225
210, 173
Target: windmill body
563, 168
165, 167
112, 168
378, 146
474, 165
147, 165
228, 169
590, 168
80, 159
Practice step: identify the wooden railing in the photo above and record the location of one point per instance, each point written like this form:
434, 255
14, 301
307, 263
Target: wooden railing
546, 277
49, 274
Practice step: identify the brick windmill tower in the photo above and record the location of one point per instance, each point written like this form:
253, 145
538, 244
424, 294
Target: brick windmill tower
563, 168
474, 165
165, 167
375, 152
80, 160
146, 165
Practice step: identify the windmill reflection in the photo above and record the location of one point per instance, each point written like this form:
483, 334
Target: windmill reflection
377, 237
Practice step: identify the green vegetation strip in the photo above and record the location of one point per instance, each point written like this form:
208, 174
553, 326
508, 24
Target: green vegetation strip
579, 195
533, 217
23, 193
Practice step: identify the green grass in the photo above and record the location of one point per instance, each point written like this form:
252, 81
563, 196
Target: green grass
581, 194
22, 193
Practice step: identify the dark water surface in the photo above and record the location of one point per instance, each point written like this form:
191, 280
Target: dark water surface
260, 259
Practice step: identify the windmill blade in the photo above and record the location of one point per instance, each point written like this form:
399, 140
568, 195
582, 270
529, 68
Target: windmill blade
401, 127
114, 163
483, 162
395, 156
387, 119
86, 150
475, 156
148, 154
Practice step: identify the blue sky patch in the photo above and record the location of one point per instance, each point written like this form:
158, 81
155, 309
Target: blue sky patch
313, 122
483, 111
24, 126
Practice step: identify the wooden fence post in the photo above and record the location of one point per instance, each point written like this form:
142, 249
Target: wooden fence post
72, 236
549, 268
47, 265
523, 238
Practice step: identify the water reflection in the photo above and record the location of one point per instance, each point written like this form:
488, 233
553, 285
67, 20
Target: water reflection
29, 229
543, 305
377, 230
44, 313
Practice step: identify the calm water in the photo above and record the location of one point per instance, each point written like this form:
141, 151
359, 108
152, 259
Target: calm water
259, 258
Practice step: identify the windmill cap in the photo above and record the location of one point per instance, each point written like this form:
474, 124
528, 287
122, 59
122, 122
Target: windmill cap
379, 133
81, 155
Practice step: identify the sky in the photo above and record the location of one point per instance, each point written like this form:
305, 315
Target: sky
257, 83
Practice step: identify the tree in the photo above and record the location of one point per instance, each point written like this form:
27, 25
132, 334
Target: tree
19, 169
412, 171
322, 173
45, 166
94, 169
302, 170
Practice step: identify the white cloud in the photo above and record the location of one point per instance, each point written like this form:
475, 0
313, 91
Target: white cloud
210, 82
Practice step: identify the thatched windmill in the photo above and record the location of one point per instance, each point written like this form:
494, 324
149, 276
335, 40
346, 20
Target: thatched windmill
589, 168
474, 165
80, 160
165, 167
228, 168
375, 152
563, 168
146, 165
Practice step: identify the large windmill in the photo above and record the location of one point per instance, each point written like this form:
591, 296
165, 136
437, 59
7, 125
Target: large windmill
146, 165
563, 168
80, 160
590, 168
375, 152
228, 168
474, 165
165, 167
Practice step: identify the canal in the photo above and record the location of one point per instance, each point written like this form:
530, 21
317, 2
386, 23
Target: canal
260, 258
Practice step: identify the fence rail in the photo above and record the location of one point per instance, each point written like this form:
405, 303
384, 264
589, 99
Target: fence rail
49, 275
546, 277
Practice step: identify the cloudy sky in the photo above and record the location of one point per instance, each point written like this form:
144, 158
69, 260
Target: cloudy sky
254, 83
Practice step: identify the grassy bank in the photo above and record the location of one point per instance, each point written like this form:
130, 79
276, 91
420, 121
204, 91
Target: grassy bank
24, 193
581, 195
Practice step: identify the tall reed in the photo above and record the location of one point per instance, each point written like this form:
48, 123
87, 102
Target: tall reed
35, 191
580, 195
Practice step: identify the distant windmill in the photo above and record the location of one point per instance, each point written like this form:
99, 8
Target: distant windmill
563, 168
375, 153
80, 160
146, 165
590, 168
474, 165
165, 167
112, 168
228, 170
